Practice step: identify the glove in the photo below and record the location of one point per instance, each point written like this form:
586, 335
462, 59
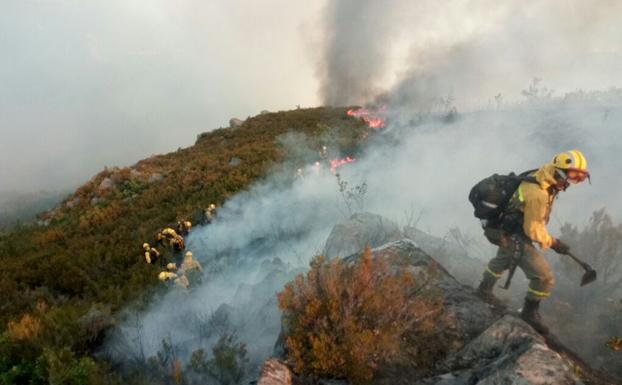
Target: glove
560, 247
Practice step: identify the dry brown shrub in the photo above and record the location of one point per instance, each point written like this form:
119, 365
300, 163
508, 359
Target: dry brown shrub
350, 320
27, 328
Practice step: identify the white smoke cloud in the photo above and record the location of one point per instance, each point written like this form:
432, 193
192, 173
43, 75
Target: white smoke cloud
473, 50
102, 83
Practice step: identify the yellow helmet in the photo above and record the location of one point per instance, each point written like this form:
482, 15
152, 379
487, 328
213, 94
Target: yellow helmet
574, 164
189, 254
146, 246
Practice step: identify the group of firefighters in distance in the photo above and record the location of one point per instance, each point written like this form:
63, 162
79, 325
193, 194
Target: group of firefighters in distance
190, 270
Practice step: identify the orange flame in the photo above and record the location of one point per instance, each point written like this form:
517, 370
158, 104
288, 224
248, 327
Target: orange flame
336, 163
372, 119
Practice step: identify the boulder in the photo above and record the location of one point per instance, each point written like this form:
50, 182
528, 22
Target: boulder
275, 372
155, 177
135, 174
449, 254
235, 122
465, 316
507, 352
235, 161
105, 184
351, 237
72, 203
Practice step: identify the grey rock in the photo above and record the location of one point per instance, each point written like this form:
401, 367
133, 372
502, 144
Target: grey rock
155, 177
106, 184
275, 372
449, 254
72, 203
95, 200
508, 352
235, 161
235, 122
353, 235
135, 174
465, 316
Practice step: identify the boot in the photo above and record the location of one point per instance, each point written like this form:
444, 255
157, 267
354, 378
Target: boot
531, 315
484, 291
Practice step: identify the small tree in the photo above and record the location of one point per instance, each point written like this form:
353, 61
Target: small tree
346, 320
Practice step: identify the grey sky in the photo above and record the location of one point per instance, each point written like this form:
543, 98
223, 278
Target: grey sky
85, 85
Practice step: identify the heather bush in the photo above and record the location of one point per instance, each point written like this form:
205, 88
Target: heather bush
350, 320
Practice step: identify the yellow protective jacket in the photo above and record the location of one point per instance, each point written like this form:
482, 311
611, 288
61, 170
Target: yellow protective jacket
536, 202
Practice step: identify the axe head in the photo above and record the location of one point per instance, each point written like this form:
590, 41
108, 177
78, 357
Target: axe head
588, 277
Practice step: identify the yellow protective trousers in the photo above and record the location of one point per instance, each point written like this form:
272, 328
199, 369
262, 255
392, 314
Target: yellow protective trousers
519, 248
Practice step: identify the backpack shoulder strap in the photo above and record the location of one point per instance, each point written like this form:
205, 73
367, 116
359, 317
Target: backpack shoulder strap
526, 177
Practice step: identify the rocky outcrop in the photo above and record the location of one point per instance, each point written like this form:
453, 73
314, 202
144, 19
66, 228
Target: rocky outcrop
235, 161
483, 347
449, 254
464, 315
507, 352
351, 237
235, 122
275, 372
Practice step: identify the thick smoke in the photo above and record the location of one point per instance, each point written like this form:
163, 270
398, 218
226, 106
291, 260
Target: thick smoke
471, 51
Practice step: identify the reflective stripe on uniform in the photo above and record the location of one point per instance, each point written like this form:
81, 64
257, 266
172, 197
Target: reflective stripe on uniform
496, 275
538, 293
520, 193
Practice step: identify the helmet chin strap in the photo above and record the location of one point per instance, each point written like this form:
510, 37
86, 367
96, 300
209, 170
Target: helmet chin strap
562, 180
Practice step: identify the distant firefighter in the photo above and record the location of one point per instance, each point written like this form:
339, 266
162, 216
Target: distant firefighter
323, 152
184, 227
170, 237
151, 254
210, 213
171, 266
168, 277
191, 268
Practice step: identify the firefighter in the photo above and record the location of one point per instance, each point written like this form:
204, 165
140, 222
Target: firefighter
184, 227
167, 277
151, 254
191, 268
173, 239
523, 223
210, 213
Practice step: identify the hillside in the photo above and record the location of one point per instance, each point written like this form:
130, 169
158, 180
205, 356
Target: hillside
85, 255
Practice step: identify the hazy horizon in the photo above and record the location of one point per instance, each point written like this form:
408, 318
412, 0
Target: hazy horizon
107, 83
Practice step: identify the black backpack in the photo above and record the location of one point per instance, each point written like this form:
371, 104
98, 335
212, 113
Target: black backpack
491, 195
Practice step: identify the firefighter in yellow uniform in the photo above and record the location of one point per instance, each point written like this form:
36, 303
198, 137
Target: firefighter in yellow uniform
151, 254
523, 223
175, 240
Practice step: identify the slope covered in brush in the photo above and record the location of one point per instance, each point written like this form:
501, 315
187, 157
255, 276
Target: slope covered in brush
84, 257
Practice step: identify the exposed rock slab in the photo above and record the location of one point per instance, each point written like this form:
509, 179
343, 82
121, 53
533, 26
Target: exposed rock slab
353, 235
508, 352
465, 315
275, 372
